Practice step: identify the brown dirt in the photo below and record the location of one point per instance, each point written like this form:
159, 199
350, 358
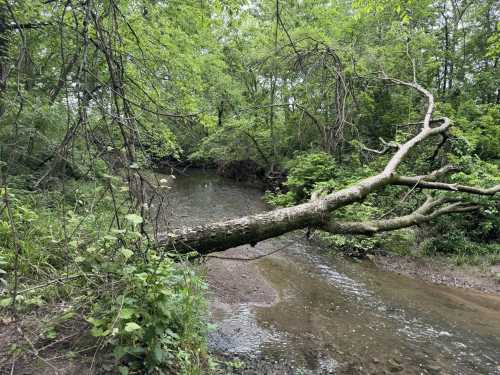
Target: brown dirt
236, 281
70, 353
441, 271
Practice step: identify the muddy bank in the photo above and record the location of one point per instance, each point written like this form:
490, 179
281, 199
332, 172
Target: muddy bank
245, 171
441, 271
233, 280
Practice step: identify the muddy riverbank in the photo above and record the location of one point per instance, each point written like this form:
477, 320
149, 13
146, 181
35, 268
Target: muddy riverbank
441, 271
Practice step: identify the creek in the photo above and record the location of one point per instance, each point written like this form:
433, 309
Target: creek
304, 310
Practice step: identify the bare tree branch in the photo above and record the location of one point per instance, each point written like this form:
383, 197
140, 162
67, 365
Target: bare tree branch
443, 171
423, 214
425, 184
387, 146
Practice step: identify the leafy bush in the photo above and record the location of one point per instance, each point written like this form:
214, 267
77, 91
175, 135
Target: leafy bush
351, 245
305, 173
307, 170
278, 199
159, 142
155, 321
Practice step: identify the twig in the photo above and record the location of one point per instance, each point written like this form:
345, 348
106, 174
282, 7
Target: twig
58, 280
248, 259
34, 351
400, 201
17, 249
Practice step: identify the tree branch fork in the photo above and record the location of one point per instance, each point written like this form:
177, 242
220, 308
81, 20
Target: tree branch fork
316, 214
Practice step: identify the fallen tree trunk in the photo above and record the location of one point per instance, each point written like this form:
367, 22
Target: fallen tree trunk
316, 214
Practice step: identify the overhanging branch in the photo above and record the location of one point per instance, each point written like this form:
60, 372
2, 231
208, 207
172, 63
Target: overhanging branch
434, 185
423, 214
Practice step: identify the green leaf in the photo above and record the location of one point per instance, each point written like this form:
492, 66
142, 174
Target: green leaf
131, 327
51, 333
134, 219
143, 276
127, 253
66, 316
158, 354
97, 332
126, 313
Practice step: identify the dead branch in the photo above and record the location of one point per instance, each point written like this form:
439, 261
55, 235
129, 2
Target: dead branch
423, 214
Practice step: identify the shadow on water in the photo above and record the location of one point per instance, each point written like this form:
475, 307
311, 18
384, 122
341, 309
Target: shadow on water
305, 311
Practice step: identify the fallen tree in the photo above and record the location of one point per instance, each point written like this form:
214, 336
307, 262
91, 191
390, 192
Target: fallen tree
316, 214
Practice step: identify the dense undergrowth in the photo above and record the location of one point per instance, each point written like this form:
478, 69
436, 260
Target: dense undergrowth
81, 248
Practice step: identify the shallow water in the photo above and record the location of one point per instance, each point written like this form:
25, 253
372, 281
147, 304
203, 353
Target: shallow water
305, 311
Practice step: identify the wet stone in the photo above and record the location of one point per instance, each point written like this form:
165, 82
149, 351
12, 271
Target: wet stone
394, 366
434, 369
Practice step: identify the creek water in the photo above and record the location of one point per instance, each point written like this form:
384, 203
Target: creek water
303, 310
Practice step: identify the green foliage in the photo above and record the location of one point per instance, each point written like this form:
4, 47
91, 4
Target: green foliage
305, 173
235, 140
223, 80
278, 199
156, 321
160, 143
307, 170
466, 238
477, 126
351, 245
145, 307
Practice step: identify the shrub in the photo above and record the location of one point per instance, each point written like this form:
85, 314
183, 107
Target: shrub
307, 170
155, 322
305, 173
